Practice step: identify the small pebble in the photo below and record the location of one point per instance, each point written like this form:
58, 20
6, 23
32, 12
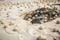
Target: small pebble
15, 30
57, 22
40, 28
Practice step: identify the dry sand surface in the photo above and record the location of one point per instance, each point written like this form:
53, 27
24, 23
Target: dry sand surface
14, 27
